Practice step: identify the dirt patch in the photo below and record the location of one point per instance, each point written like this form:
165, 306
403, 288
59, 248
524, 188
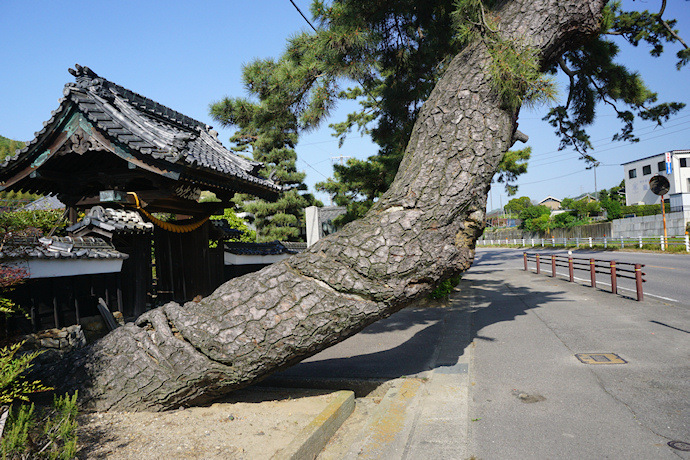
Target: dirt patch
249, 424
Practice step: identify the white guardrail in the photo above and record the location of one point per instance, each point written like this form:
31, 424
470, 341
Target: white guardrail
650, 242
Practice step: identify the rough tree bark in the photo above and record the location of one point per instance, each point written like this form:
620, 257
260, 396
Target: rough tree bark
420, 232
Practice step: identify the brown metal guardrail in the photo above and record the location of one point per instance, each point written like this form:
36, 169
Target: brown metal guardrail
611, 267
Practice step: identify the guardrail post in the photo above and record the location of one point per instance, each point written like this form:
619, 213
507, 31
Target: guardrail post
553, 242
687, 242
577, 242
538, 267
570, 268
663, 248
622, 244
542, 242
523, 242
524, 257
614, 287
605, 243
638, 282
553, 265
532, 241
590, 241
640, 242
592, 272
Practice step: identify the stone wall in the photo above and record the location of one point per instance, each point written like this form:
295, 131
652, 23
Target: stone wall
632, 227
56, 340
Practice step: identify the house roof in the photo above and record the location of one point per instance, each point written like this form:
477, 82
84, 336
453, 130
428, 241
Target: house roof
549, 198
258, 249
97, 114
111, 221
58, 248
223, 231
583, 196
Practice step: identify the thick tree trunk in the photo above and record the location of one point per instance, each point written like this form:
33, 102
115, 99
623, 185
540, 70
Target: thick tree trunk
421, 232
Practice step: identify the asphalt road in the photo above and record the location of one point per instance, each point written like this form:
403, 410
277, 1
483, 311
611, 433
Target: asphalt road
667, 275
532, 397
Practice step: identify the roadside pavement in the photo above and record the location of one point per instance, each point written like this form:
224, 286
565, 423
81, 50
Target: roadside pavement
495, 375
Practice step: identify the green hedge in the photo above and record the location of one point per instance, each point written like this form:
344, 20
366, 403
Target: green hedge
644, 210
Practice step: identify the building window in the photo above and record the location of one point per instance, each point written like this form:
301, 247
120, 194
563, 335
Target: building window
683, 162
632, 173
661, 166
646, 170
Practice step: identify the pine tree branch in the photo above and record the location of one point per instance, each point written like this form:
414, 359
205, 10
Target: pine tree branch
667, 27
571, 74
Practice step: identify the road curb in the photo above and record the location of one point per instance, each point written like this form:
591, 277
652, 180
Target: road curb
312, 439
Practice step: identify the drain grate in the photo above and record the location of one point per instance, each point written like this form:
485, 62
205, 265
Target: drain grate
600, 358
679, 445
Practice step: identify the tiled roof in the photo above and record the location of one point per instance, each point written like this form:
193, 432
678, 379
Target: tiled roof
44, 203
58, 248
329, 213
223, 230
295, 246
258, 249
150, 128
113, 220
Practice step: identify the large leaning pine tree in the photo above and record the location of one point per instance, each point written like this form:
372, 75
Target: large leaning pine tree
421, 231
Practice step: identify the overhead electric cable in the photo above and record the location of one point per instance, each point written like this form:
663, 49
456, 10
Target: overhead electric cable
305, 18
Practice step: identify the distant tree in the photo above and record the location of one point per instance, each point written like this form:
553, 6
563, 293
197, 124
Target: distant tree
613, 200
8, 147
534, 217
517, 205
248, 235
581, 208
268, 129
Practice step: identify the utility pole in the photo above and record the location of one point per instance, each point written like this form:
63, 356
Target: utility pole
342, 159
596, 190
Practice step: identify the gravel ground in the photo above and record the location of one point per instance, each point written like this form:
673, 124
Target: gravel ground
250, 424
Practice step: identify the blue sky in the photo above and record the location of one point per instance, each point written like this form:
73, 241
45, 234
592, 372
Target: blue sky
187, 55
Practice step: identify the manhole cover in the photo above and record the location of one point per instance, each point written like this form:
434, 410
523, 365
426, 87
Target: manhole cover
600, 358
680, 445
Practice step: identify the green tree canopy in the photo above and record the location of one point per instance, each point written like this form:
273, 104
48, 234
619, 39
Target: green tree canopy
517, 205
8, 147
393, 53
268, 129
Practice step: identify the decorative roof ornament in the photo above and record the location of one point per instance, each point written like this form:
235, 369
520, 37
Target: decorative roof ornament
88, 79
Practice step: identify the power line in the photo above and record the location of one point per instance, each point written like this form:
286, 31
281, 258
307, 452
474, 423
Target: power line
537, 161
609, 142
552, 178
305, 18
319, 172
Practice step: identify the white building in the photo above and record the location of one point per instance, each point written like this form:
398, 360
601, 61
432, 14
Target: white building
638, 173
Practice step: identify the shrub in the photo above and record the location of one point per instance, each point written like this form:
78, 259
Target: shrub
31, 223
47, 433
445, 288
54, 437
13, 367
644, 210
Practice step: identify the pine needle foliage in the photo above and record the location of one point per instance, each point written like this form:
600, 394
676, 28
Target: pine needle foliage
515, 67
393, 53
43, 433
14, 384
